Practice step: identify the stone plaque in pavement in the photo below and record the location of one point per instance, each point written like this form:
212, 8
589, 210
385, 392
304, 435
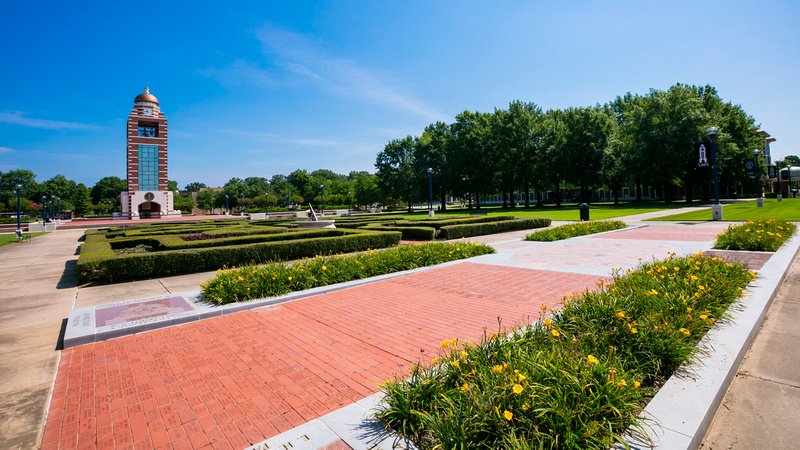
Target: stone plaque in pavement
136, 312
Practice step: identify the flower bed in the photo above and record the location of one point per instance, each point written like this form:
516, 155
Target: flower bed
576, 379
756, 235
252, 282
574, 230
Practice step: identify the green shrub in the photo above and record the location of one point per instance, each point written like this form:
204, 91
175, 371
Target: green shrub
480, 229
576, 229
410, 233
438, 223
252, 282
103, 265
756, 236
576, 379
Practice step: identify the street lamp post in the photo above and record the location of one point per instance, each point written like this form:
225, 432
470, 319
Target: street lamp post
19, 206
716, 208
266, 205
52, 209
227, 209
241, 203
59, 207
349, 204
430, 192
322, 200
759, 199
44, 209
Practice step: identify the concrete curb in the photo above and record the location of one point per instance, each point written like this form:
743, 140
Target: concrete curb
681, 412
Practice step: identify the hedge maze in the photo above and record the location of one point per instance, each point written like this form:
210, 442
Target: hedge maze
171, 248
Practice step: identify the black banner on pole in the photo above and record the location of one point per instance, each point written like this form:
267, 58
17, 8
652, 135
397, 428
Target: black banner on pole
702, 154
772, 171
749, 167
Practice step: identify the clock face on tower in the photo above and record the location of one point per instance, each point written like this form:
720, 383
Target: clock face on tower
148, 112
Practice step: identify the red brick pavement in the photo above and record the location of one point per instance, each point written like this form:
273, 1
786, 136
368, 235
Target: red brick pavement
657, 233
236, 380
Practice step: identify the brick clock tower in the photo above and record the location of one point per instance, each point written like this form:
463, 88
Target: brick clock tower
148, 196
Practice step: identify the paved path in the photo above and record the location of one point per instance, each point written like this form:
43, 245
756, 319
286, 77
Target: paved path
236, 380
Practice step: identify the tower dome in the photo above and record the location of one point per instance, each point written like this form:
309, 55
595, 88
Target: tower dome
145, 97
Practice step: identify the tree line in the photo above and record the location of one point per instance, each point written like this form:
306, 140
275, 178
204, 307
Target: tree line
634, 140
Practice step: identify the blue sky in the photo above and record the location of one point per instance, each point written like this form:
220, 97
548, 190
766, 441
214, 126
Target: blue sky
265, 87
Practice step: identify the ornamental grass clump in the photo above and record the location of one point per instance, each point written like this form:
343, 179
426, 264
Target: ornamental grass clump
273, 279
575, 379
573, 230
756, 235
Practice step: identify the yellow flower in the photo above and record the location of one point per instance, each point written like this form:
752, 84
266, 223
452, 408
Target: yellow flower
688, 309
463, 354
677, 269
633, 331
471, 373
555, 333
497, 369
456, 364
465, 388
620, 314
519, 376
703, 317
636, 384
574, 341
324, 268
241, 279
685, 331
526, 406
435, 361
508, 415
622, 383
591, 359
517, 389
290, 278
547, 322
544, 307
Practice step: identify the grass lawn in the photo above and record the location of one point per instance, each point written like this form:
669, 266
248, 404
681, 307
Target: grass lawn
597, 211
11, 238
788, 209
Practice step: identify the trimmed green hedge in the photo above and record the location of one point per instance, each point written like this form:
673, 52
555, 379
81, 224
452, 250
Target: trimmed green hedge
413, 233
99, 263
439, 223
480, 229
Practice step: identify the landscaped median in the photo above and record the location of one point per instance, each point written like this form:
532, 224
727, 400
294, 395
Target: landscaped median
756, 236
104, 257
274, 279
575, 230
576, 379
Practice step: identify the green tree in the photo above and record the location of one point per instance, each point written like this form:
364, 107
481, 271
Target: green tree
9, 180
434, 151
301, 181
172, 186
588, 131
108, 188
195, 186
205, 199
476, 165
365, 188
397, 179
82, 200
182, 203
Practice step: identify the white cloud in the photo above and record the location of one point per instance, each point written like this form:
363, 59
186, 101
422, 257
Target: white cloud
18, 118
5, 150
298, 59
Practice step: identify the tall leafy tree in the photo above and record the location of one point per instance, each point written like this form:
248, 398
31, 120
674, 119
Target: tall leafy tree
434, 151
587, 133
194, 186
477, 158
108, 188
397, 178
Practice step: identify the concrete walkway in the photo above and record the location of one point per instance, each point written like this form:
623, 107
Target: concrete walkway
272, 374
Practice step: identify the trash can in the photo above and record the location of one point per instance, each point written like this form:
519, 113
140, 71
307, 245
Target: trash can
584, 212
